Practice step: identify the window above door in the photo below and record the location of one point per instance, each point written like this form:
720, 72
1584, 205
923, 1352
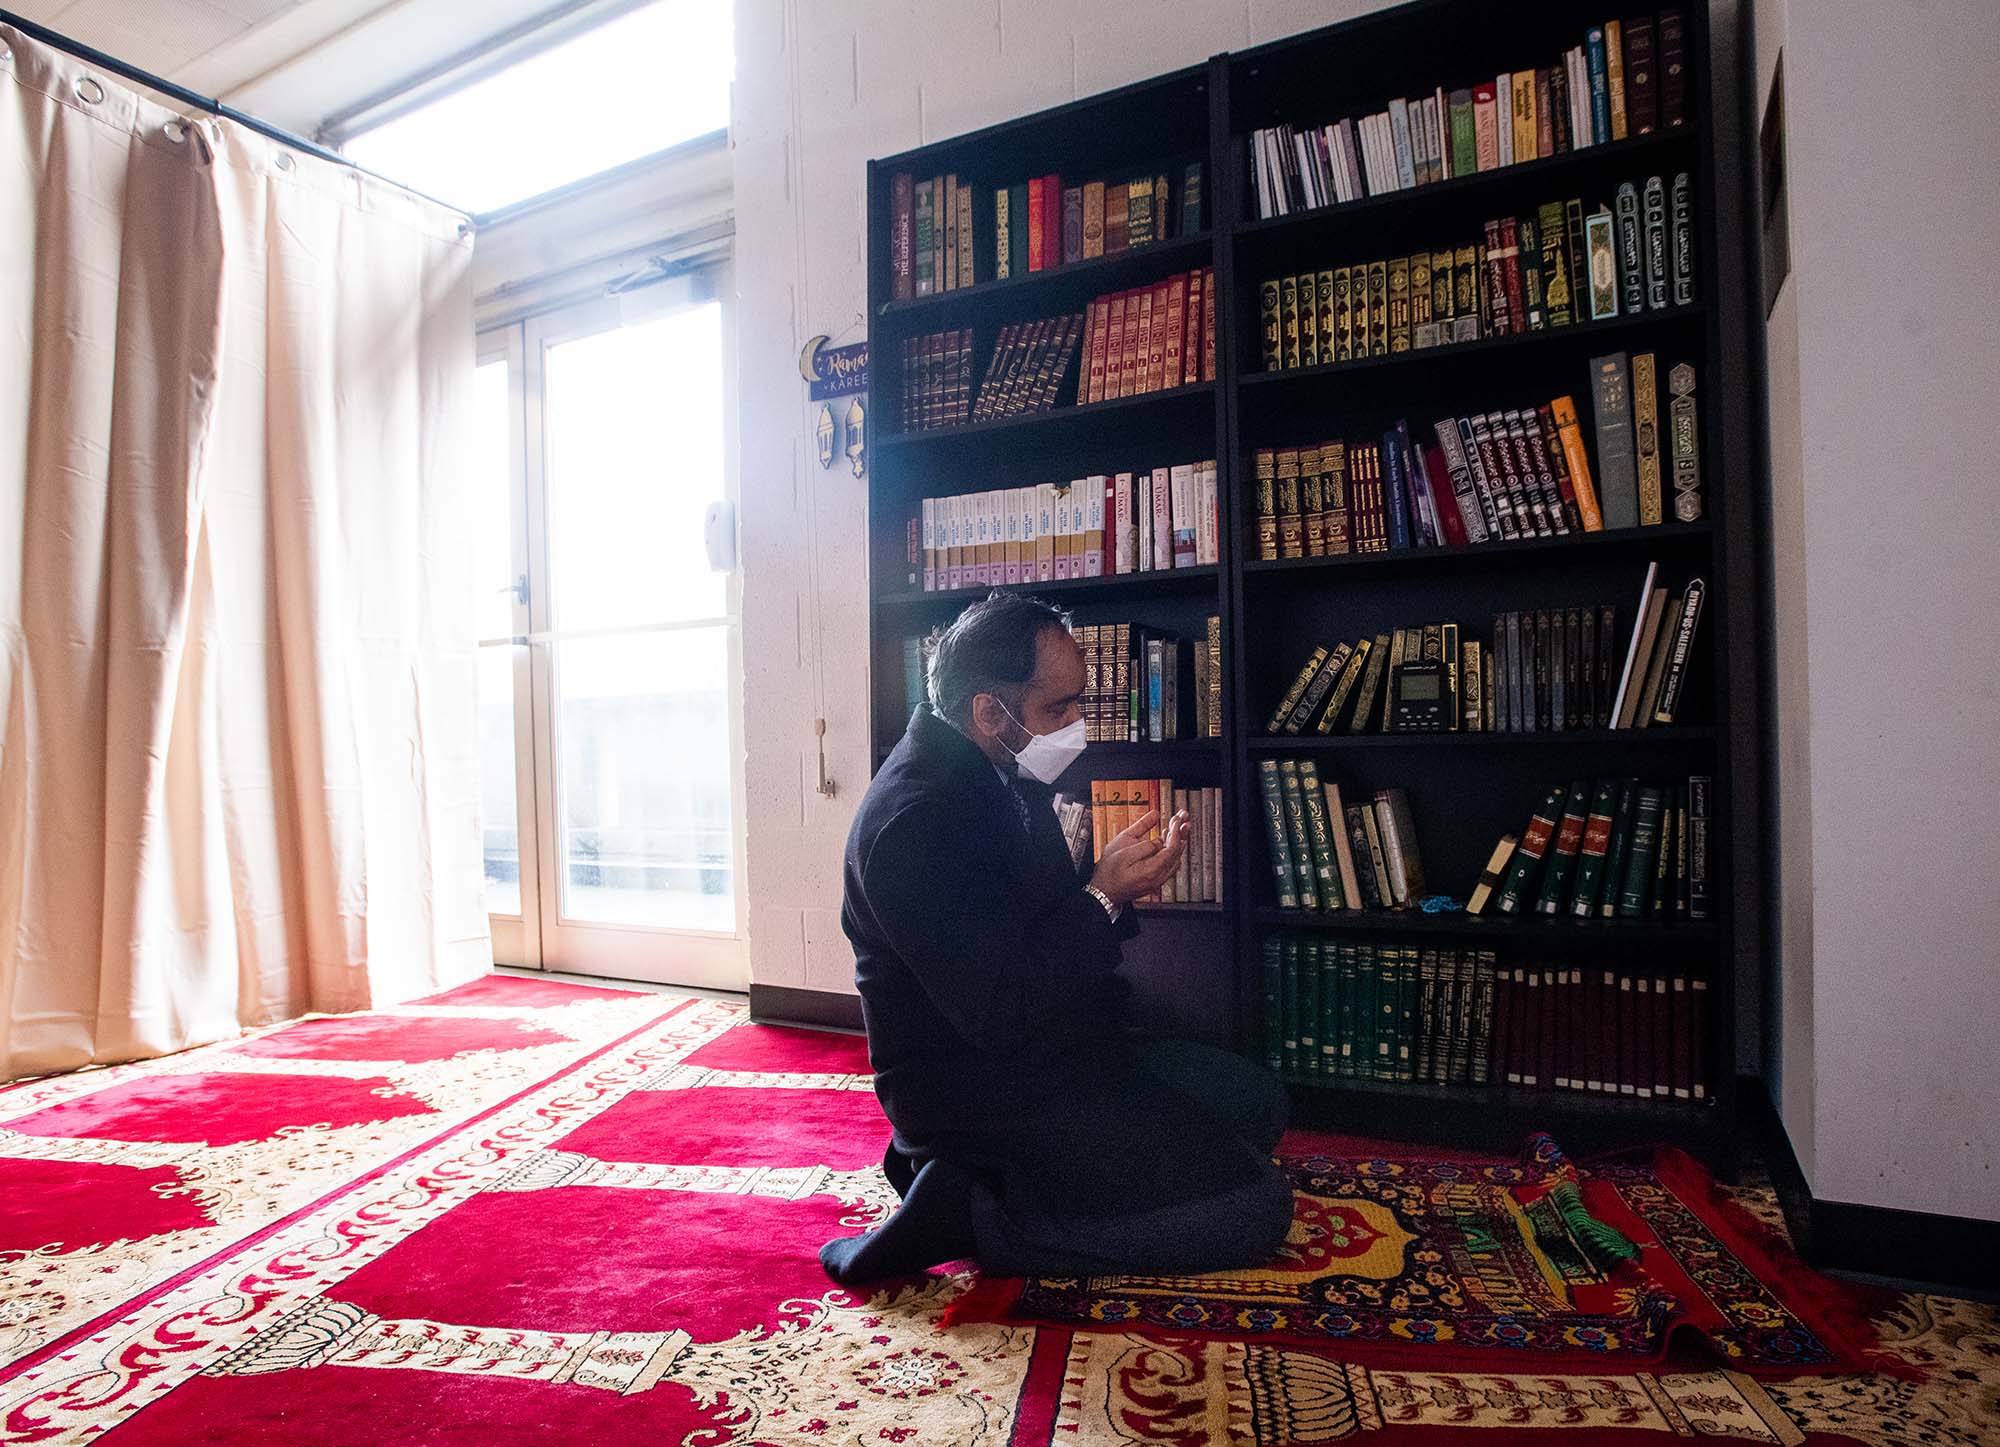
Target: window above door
585, 94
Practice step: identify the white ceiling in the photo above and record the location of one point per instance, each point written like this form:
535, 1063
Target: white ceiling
292, 62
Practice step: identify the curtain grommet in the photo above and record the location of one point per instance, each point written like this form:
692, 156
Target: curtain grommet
175, 131
87, 90
6, 56
284, 161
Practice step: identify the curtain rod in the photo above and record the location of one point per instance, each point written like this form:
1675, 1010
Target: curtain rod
93, 56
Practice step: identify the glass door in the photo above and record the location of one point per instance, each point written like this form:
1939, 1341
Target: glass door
627, 738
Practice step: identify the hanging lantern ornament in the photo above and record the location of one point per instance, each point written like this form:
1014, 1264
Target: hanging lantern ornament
823, 433
857, 437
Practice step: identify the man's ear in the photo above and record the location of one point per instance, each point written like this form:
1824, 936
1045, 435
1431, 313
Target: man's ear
989, 715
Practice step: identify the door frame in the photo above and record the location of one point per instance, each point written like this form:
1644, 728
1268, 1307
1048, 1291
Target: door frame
517, 938
711, 959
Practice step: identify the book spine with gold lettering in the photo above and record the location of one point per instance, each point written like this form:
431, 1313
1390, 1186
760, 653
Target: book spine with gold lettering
1355, 662
1646, 436
1297, 690
1378, 308
1333, 498
1270, 316
1265, 480
1291, 522
1288, 320
1399, 304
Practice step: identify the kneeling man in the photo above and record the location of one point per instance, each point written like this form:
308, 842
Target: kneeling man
1033, 1130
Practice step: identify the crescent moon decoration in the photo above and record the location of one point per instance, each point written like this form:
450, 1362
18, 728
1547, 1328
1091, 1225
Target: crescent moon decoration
809, 357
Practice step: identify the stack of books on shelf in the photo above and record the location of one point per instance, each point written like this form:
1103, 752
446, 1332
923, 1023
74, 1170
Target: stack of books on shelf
1375, 1010
1107, 524
1512, 473
1608, 88
1117, 804
1599, 1028
1612, 849
945, 233
1328, 854
1149, 338
1552, 269
1344, 1009
1546, 670
1143, 685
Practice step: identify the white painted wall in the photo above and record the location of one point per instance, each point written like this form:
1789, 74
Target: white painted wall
1883, 387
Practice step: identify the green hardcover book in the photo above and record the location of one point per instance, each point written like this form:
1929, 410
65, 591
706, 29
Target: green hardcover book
1308, 1008
1368, 991
1428, 1018
1271, 974
1620, 850
1282, 874
1466, 1024
924, 249
1563, 852
1388, 1009
1663, 871
1371, 683
1406, 1017
1289, 1007
1535, 840
1636, 889
1300, 849
1557, 284
1346, 987
1326, 863
1596, 845
1464, 135
1191, 200
1480, 1056
1680, 850
1364, 871
1326, 965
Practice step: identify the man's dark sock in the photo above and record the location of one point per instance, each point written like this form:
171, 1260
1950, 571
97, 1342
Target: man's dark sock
933, 1224
898, 1168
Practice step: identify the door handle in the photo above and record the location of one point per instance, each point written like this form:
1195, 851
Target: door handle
519, 588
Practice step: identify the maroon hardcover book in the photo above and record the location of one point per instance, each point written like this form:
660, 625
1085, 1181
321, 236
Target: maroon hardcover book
1503, 1019
1683, 1066
1672, 70
1698, 1037
1663, 1040
1510, 243
1527, 1035
1545, 1070
1628, 1074
1642, 97
1642, 1045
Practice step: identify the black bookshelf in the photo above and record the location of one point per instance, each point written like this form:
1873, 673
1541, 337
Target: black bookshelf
1200, 963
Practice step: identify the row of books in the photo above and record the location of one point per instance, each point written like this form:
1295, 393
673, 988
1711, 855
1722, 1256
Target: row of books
1495, 476
1613, 849
1145, 685
1375, 1010
1117, 804
1606, 89
1556, 669
1144, 521
1545, 671
1527, 274
945, 233
1149, 338
1329, 854
1025, 373
1378, 1010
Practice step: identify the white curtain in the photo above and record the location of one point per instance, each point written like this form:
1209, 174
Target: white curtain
238, 773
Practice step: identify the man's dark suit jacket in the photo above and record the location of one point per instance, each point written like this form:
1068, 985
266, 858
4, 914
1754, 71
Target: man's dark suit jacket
977, 953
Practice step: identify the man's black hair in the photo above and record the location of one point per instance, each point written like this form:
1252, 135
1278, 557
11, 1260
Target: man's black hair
989, 648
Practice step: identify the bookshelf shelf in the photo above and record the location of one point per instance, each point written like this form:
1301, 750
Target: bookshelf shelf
1618, 542
1591, 334
1058, 288
1592, 158
1463, 788
1121, 409
1659, 734
1067, 589
1539, 930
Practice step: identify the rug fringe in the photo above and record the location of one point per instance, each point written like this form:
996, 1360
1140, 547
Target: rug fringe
1838, 1309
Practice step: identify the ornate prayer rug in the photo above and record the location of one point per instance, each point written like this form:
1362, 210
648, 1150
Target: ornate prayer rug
1447, 1261
523, 1213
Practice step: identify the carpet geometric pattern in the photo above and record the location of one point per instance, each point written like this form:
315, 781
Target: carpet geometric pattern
595, 1220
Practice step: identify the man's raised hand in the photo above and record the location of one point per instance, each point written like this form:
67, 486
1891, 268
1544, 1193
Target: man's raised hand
1134, 865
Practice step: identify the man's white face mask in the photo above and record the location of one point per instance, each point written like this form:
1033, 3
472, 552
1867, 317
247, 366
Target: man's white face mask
1045, 756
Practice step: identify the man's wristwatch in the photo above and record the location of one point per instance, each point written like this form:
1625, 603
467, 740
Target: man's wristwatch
1112, 911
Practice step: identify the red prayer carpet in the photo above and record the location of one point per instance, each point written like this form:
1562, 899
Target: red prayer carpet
523, 1212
